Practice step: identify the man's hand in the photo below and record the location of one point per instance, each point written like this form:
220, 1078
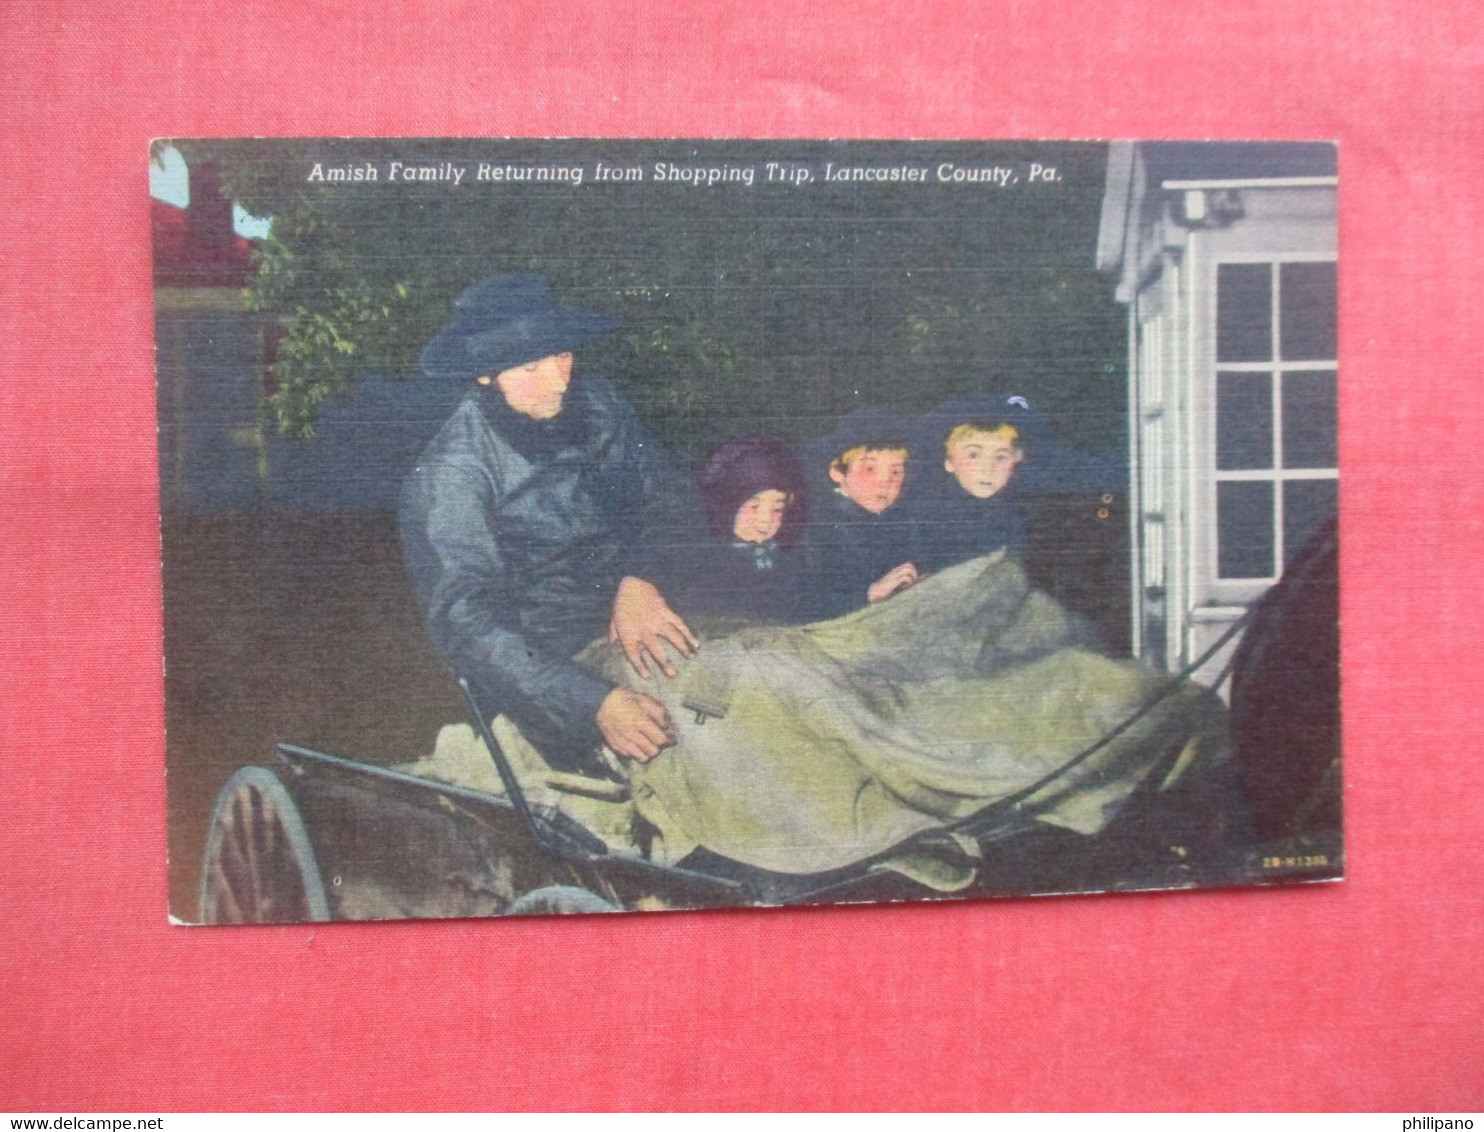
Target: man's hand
642, 619
634, 725
893, 581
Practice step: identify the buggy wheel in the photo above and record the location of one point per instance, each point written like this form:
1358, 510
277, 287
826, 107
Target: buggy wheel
260, 866
559, 900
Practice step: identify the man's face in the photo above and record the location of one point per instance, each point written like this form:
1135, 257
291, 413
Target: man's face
760, 518
536, 388
874, 478
983, 463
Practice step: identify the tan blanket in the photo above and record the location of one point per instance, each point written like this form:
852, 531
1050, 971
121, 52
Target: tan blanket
822, 746
807, 749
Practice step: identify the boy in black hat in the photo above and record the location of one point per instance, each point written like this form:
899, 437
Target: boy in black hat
531, 521
857, 546
972, 505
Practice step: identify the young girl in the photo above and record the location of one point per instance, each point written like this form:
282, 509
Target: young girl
753, 489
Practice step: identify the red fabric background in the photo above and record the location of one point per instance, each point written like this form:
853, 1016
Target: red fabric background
1367, 994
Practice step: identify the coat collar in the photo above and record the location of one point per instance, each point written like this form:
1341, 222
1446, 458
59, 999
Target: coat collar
573, 428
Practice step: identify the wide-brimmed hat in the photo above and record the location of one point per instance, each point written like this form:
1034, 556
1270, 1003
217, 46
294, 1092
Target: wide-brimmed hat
506, 321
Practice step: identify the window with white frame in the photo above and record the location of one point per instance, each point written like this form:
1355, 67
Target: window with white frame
1275, 465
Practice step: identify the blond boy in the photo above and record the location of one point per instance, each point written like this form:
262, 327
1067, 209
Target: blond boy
975, 508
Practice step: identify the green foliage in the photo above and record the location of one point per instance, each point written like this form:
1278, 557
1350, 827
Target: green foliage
743, 309
337, 320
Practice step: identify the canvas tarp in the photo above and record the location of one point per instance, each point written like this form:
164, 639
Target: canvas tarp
818, 747
802, 750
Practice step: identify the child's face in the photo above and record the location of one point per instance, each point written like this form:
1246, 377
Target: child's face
983, 462
874, 478
760, 518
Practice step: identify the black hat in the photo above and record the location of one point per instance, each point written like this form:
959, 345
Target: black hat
870, 428
1050, 468
984, 409
506, 321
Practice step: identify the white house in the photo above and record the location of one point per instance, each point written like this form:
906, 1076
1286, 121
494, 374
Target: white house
1226, 256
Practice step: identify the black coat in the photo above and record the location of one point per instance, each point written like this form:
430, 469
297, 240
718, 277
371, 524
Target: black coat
516, 533
721, 579
952, 526
846, 548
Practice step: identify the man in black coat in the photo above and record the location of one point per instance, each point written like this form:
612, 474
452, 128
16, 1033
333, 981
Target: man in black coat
531, 520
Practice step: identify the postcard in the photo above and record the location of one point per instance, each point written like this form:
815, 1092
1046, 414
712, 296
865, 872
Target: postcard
596, 525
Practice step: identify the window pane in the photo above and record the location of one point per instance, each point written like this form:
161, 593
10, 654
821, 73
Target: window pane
1244, 529
1307, 317
1244, 312
1307, 506
1244, 420
1309, 420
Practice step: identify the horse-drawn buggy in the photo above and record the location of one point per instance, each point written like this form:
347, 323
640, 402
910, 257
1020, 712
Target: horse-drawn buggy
1157, 787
